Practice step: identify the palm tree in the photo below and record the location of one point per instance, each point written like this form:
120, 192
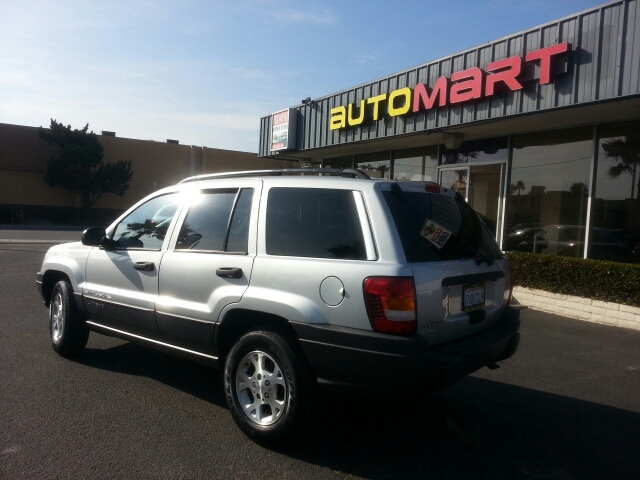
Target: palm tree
520, 186
579, 189
458, 156
626, 152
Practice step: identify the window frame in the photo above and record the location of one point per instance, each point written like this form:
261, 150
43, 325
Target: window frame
170, 228
360, 213
237, 191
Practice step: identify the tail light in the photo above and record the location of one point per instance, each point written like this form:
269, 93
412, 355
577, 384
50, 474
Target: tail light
391, 304
432, 187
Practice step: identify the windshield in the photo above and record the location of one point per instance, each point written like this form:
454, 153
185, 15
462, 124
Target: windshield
438, 227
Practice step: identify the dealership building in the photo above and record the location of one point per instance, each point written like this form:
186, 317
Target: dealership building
539, 131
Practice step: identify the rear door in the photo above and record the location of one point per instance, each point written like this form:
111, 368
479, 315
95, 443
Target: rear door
460, 273
209, 263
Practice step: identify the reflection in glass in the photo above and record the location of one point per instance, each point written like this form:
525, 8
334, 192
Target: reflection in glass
147, 225
484, 192
455, 179
339, 162
238, 240
477, 151
376, 165
548, 192
205, 227
314, 222
416, 164
475, 173
616, 204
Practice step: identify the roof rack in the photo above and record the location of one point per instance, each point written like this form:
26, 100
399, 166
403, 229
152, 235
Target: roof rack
343, 172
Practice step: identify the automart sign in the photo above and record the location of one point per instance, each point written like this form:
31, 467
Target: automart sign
283, 130
464, 86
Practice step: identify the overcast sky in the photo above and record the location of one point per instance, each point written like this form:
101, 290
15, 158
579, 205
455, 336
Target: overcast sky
204, 72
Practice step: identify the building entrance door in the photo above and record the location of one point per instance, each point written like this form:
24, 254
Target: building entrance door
480, 185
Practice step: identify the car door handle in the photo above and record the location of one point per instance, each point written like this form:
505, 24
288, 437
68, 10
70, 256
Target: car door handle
229, 272
144, 266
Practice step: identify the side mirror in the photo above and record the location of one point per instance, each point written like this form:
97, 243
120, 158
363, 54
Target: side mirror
94, 237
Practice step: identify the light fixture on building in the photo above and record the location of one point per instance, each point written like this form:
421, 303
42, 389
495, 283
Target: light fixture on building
453, 140
308, 101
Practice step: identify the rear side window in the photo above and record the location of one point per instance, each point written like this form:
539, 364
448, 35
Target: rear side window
438, 227
316, 222
217, 221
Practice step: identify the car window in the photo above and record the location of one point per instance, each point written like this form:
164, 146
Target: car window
314, 222
573, 234
552, 233
602, 236
239, 225
438, 227
217, 221
146, 227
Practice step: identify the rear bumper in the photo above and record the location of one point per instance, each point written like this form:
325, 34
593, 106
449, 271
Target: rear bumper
355, 358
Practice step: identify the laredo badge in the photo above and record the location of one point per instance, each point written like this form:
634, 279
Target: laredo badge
436, 234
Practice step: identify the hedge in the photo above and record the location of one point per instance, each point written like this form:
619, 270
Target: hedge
595, 279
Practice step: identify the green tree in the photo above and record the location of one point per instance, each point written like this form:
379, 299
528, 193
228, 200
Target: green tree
78, 165
579, 189
458, 156
518, 187
626, 153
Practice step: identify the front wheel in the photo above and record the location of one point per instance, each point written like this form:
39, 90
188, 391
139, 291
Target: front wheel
269, 388
69, 334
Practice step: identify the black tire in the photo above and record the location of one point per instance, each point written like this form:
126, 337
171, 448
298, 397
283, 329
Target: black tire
69, 333
269, 389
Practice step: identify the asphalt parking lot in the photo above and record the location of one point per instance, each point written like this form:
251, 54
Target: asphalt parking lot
567, 406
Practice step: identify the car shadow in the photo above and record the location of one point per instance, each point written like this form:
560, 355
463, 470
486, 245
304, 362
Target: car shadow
182, 374
477, 429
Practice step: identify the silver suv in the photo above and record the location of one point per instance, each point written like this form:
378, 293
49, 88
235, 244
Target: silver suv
291, 279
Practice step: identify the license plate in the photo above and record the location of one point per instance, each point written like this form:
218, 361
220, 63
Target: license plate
472, 297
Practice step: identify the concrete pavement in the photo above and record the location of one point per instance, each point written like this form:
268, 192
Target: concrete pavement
565, 406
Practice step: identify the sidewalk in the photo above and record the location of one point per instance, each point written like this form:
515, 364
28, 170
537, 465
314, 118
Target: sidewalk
39, 234
586, 309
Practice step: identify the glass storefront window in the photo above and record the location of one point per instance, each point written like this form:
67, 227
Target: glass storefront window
475, 171
457, 179
376, 165
416, 164
477, 151
615, 217
548, 194
339, 162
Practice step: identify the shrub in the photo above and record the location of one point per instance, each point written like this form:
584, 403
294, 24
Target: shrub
596, 279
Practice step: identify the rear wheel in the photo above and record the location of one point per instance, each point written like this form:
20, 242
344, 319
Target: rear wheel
69, 333
269, 388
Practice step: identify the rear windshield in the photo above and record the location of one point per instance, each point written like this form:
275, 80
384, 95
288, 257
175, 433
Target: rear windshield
438, 227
